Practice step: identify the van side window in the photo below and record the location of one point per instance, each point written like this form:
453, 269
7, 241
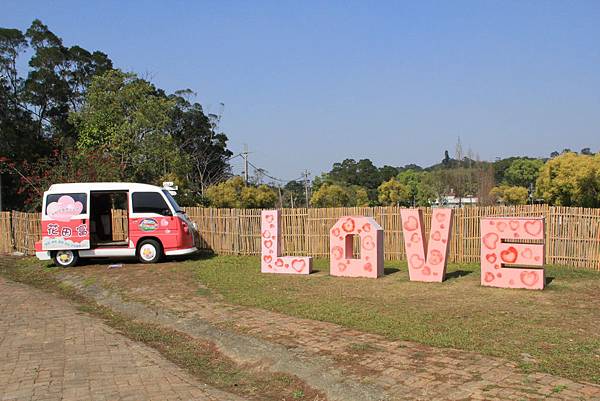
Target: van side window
148, 202
70, 203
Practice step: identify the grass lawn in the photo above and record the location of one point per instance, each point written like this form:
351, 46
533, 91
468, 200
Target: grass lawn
556, 330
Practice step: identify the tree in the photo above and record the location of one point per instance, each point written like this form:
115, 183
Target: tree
394, 193
586, 151
446, 160
128, 118
510, 195
335, 195
523, 172
388, 172
234, 193
500, 168
420, 187
362, 173
34, 109
294, 194
68, 165
204, 147
57, 79
570, 180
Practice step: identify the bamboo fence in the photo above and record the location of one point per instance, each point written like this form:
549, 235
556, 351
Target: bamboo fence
572, 234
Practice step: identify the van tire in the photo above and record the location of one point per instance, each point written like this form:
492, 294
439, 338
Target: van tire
66, 258
149, 251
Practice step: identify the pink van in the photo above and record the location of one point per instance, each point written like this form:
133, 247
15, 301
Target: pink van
77, 223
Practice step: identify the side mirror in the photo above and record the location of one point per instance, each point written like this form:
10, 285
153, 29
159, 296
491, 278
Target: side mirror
166, 212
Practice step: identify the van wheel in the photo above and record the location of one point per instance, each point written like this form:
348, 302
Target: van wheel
66, 258
149, 251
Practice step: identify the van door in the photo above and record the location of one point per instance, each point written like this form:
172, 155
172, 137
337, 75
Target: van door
65, 221
151, 216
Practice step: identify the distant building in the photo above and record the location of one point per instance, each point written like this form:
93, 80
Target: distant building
453, 201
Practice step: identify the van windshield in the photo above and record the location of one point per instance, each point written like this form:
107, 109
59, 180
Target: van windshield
172, 201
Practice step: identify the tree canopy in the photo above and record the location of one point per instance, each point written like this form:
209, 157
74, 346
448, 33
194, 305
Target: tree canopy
73, 116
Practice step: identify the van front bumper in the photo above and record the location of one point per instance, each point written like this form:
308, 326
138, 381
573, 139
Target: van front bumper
43, 255
177, 252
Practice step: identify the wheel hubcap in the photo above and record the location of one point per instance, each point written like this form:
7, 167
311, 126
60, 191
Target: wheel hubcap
148, 252
64, 257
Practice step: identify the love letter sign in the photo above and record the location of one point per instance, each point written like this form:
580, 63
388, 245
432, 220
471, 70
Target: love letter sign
271, 259
433, 266
341, 262
499, 248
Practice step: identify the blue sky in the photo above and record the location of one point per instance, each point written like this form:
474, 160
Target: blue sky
306, 84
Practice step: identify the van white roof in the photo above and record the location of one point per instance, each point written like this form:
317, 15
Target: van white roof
101, 186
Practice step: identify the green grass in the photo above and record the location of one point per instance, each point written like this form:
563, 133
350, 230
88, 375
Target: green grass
559, 327
559, 388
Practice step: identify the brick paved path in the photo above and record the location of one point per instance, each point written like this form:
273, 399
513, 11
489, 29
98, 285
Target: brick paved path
50, 351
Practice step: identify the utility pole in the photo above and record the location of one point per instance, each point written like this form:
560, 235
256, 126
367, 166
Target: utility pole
245, 156
306, 175
280, 196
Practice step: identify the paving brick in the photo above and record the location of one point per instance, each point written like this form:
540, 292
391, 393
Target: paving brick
49, 351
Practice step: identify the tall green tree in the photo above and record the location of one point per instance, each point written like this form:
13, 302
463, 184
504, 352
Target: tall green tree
204, 146
128, 118
523, 172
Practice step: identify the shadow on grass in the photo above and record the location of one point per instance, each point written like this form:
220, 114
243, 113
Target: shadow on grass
549, 280
390, 270
200, 255
457, 274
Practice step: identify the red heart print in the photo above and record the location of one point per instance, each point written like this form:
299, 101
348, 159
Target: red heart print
348, 225
279, 262
411, 224
298, 264
527, 253
489, 277
426, 271
337, 252
529, 278
415, 237
266, 234
366, 227
342, 267
440, 217
436, 236
501, 226
267, 258
533, 227
490, 240
491, 257
509, 255
335, 232
416, 262
268, 243
269, 218
368, 243
368, 267
435, 257
514, 224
